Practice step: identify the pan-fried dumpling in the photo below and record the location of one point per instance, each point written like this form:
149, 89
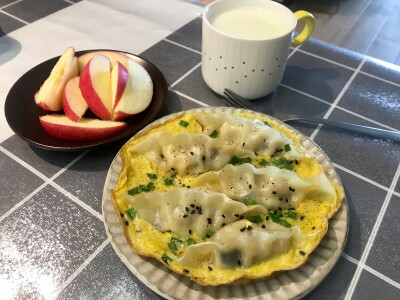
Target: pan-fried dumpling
187, 153
270, 186
248, 134
181, 209
232, 247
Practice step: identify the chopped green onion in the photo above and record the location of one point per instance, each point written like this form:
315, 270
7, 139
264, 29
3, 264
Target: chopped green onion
152, 176
263, 163
284, 223
168, 181
252, 202
141, 188
255, 219
276, 217
134, 191
173, 244
238, 161
166, 258
287, 148
214, 134
266, 123
208, 235
131, 213
290, 214
190, 241
183, 123
283, 163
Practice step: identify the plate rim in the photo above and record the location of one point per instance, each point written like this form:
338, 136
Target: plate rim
161, 83
118, 241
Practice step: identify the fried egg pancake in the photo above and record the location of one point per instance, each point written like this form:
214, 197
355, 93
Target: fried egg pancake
223, 199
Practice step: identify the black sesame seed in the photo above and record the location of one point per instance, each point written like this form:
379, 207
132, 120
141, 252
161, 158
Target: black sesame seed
162, 156
291, 189
244, 143
188, 186
191, 153
296, 161
249, 228
237, 81
239, 263
122, 215
262, 226
187, 208
286, 199
273, 192
242, 229
236, 215
250, 186
313, 228
209, 268
192, 205
204, 158
302, 253
172, 169
280, 208
190, 231
185, 216
280, 198
223, 224
186, 271
267, 218
126, 223
302, 218
192, 212
223, 216
209, 220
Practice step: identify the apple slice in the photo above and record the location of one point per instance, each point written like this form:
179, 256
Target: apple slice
95, 85
49, 96
119, 79
74, 105
59, 126
137, 94
112, 55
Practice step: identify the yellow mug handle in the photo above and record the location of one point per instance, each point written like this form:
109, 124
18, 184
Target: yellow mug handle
308, 29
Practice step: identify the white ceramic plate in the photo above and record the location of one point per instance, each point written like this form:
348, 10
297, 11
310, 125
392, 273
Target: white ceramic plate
292, 284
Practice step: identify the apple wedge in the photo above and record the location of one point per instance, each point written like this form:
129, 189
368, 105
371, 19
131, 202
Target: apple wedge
137, 94
50, 94
119, 79
74, 105
59, 126
95, 85
112, 55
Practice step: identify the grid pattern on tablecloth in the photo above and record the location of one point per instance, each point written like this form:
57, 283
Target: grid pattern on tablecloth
67, 187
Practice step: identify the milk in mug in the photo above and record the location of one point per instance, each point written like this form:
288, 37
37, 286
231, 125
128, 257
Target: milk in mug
251, 23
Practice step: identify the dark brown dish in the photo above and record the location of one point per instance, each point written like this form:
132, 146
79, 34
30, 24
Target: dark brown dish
22, 113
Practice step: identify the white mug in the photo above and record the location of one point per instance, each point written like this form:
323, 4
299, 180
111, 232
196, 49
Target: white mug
249, 60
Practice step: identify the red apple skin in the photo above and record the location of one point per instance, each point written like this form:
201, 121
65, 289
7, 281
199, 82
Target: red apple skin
69, 112
93, 100
122, 80
77, 131
72, 95
119, 116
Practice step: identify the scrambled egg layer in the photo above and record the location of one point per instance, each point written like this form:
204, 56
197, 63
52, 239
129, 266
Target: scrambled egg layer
313, 214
